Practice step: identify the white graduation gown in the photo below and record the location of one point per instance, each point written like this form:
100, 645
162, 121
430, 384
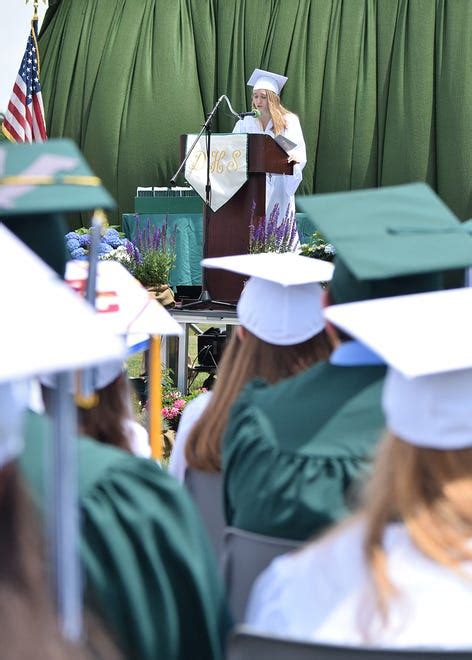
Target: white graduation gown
322, 594
192, 412
280, 188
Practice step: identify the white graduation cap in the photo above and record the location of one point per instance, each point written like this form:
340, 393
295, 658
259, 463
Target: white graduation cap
261, 79
124, 307
45, 326
426, 341
281, 301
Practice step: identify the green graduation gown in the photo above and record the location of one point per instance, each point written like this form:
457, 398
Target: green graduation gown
293, 450
148, 567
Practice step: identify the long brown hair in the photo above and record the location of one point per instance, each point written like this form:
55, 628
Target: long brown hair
242, 361
430, 491
27, 618
107, 421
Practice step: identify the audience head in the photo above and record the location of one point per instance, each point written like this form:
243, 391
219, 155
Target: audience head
281, 333
266, 96
46, 181
108, 420
389, 241
127, 309
423, 473
61, 320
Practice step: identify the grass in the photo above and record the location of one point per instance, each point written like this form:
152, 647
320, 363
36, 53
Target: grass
135, 363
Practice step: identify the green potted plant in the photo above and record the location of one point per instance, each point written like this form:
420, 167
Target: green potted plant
152, 259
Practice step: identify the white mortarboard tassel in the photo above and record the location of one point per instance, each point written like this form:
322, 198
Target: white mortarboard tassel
261, 79
281, 302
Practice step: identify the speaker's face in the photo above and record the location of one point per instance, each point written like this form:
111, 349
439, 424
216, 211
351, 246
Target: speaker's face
260, 102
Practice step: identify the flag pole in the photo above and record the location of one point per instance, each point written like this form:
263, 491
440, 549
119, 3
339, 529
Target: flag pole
24, 119
155, 400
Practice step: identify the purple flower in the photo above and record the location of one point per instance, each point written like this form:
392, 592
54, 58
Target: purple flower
270, 235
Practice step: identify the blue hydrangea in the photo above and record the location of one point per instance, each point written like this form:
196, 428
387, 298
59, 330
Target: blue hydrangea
84, 240
104, 248
72, 244
112, 237
111, 232
78, 253
72, 235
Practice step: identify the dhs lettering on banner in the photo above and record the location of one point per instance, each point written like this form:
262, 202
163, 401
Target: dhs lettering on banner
227, 167
221, 161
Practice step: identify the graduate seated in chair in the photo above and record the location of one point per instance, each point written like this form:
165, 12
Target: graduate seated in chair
281, 333
294, 452
147, 566
398, 574
34, 624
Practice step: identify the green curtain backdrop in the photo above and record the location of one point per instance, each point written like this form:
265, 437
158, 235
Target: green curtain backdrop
383, 88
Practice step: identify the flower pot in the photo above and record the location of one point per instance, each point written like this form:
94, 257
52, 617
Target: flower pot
163, 294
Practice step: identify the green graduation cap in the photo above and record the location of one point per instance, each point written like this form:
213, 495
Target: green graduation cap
389, 241
39, 183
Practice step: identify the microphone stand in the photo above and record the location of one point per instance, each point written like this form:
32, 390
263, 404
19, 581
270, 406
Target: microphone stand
204, 299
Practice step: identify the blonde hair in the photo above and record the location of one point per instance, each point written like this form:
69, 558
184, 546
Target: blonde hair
242, 361
277, 111
430, 491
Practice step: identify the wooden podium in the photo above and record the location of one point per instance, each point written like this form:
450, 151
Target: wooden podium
226, 231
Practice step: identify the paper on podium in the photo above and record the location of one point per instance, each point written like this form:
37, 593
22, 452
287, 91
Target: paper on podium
286, 144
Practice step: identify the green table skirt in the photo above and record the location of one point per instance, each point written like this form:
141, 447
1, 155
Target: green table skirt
189, 241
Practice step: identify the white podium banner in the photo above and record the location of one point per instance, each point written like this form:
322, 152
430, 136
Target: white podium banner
228, 166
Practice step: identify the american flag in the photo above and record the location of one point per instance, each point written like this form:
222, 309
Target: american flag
24, 118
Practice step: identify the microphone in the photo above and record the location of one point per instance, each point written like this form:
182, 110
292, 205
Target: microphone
253, 113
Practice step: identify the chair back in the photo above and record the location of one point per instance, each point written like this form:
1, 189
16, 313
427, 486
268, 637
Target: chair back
245, 644
207, 493
245, 556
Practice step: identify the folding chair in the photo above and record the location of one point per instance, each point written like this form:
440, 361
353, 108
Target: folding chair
206, 491
246, 644
245, 556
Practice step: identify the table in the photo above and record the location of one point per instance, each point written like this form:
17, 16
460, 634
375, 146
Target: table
186, 318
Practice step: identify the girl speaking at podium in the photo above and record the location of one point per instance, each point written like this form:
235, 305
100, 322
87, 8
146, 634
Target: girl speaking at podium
275, 120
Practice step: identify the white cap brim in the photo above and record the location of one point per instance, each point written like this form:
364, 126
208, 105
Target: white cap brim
125, 306
418, 334
286, 269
